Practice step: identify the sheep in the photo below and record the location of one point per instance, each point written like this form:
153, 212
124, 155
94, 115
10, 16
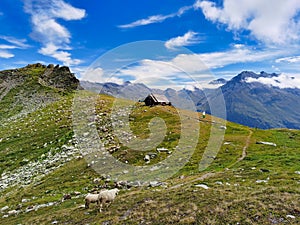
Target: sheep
107, 196
91, 198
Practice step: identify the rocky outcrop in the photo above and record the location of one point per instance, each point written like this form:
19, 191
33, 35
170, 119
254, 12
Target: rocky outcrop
59, 77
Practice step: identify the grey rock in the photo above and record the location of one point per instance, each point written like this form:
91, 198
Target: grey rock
4, 208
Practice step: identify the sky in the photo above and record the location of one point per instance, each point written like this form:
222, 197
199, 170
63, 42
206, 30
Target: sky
155, 42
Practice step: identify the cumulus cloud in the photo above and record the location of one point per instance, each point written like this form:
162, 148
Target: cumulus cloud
270, 22
188, 38
54, 37
156, 18
282, 81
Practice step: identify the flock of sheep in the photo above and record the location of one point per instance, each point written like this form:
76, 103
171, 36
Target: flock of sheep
104, 197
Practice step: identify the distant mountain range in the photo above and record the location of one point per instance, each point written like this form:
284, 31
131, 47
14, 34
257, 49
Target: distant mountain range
255, 100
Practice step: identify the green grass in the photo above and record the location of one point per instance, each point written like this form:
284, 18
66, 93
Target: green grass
26, 139
234, 196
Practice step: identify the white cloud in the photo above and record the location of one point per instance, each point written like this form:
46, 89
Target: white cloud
282, 81
150, 69
5, 54
291, 59
156, 18
270, 22
164, 74
97, 75
189, 68
18, 43
7, 47
93, 75
237, 54
14, 43
188, 38
54, 37
149, 20
60, 55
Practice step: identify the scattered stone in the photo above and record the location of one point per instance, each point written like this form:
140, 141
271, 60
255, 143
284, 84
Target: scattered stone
55, 222
66, 197
26, 174
297, 172
202, 186
81, 207
219, 182
155, 183
121, 184
162, 150
147, 158
290, 216
4, 208
12, 212
96, 180
24, 200
223, 127
19, 207
266, 143
136, 183
263, 181
152, 155
264, 170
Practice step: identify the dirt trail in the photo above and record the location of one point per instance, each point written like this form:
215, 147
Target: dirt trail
210, 174
244, 154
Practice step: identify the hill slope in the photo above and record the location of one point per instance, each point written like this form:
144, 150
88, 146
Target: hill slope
246, 183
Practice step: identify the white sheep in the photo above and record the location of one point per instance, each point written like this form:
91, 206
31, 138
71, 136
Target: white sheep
107, 196
91, 198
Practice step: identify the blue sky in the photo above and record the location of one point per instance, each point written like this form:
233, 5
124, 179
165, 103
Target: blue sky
226, 37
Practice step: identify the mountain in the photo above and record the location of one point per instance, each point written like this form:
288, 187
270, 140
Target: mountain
23, 90
136, 91
257, 104
249, 99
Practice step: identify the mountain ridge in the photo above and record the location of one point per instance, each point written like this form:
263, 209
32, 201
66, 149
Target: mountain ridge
252, 104
25, 89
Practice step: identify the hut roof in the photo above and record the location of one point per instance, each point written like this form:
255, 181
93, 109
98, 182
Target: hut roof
159, 98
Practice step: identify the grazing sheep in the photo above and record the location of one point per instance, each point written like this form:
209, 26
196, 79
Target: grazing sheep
107, 196
91, 198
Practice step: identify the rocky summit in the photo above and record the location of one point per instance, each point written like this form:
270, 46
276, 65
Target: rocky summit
23, 90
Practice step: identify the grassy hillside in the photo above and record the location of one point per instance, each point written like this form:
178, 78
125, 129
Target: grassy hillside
260, 186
